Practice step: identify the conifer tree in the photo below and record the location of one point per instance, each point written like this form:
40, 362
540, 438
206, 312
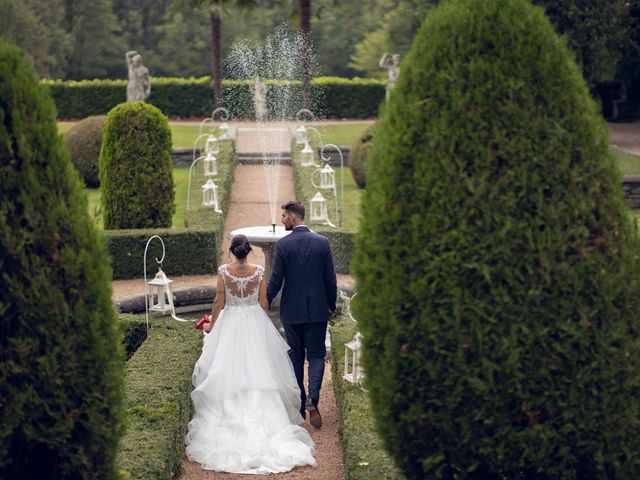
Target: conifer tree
136, 171
497, 265
61, 375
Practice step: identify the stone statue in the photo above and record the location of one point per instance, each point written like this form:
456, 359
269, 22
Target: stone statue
139, 86
260, 100
392, 64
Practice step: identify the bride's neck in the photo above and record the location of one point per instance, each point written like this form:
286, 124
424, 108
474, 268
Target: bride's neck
241, 260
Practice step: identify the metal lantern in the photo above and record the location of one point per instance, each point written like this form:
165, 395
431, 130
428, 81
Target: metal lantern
307, 159
327, 178
210, 195
353, 371
319, 209
211, 146
210, 165
224, 131
301, 135
160, 295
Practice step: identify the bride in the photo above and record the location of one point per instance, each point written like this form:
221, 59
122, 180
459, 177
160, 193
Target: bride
246, 397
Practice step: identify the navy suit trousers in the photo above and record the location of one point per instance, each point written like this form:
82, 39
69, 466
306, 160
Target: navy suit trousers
307, 339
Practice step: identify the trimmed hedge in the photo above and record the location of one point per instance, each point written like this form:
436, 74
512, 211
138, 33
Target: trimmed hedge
193, 251
497, 266
134, 333
61, 374
364, 454
158, 399
342, 248
136, 181
192, 97
358, 155
84, 141
344, 98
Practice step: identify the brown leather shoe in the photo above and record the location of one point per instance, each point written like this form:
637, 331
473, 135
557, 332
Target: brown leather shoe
314, 415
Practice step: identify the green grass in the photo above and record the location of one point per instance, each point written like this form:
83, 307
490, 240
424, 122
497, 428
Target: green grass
352, 196
364, 454
342, 135
63, 127
629, 164
182, 135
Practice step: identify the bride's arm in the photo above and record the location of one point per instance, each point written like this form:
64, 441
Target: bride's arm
262, 294
218, 304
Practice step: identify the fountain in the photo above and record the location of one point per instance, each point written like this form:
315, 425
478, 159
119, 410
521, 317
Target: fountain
274, 104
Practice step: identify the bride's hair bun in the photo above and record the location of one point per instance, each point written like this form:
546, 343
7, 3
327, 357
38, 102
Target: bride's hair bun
240, 246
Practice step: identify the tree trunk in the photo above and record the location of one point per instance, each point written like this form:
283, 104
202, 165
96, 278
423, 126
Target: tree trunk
216, 65
305, 54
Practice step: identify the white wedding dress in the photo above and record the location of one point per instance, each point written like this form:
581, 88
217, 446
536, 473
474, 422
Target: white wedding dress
246, 398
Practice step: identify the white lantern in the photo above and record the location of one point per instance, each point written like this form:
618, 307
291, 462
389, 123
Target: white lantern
301, 135
210, 196
307, 158
224, 131
160, 295
319, 209
211, 146
210, 165
327, 178
353, 371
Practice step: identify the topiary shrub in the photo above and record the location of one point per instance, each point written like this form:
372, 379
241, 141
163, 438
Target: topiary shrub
61, 381
358, 155
83, 141
496, 264
136, 173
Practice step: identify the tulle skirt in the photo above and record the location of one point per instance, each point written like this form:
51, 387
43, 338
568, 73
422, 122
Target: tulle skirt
246, 399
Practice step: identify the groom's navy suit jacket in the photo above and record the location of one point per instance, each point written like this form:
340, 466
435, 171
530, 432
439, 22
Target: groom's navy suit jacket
303, 261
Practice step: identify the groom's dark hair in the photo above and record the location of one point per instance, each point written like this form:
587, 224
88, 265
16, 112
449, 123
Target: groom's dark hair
294, 207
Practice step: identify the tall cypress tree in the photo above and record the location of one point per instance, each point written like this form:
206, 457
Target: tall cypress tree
497, 265
61, 376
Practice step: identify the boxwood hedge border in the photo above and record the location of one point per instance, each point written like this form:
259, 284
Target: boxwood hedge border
335, 97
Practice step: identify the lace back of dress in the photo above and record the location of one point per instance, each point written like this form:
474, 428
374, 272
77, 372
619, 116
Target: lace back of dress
241, 290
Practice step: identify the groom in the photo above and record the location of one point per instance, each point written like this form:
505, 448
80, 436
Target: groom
303, 260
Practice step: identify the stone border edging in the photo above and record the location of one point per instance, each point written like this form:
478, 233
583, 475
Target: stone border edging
189, 299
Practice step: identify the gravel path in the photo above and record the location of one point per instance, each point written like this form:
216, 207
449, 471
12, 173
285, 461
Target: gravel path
249, 208
328, 451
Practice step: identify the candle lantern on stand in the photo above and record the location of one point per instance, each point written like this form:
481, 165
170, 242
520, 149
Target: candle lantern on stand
159, 296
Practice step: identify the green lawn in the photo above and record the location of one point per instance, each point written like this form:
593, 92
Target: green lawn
352, 196
183, 135
342, 135
629, 164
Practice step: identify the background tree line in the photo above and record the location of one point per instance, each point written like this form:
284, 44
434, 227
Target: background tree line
79, 39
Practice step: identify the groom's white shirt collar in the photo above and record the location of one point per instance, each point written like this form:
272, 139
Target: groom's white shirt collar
300, 226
